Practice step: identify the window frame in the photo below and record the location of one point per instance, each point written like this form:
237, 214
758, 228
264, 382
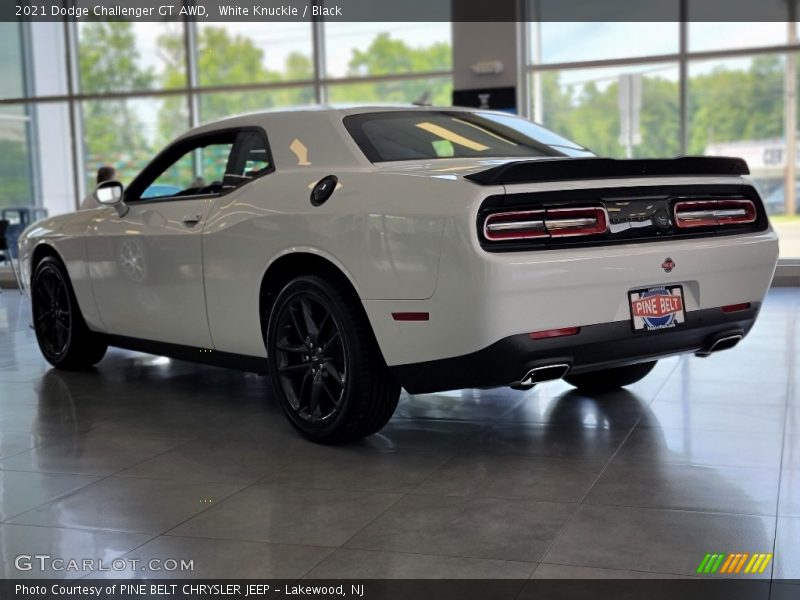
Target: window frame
179, 148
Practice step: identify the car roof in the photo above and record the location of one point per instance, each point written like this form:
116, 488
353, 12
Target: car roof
347, 109
319, 128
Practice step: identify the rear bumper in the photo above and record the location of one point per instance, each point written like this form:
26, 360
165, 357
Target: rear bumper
595, 347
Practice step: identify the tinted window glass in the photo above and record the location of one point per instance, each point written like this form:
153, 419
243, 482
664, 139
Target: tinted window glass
212, 164
200, 170
420, 135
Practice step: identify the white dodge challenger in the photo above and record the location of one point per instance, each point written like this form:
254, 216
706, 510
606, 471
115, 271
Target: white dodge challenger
352, 252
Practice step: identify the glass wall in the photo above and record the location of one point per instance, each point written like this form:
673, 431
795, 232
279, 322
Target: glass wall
627, 90
126, 56
16, 123
15, 149
124, 90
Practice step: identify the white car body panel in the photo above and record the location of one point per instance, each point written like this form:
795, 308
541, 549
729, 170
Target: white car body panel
404, 235
147, 271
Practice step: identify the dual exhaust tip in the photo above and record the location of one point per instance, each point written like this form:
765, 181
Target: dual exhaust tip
558, 370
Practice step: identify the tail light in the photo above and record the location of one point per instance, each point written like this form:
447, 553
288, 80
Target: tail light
712, 213
545, 223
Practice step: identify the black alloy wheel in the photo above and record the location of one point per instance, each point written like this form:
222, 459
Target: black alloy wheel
52, 312
63, 336
310, 357
326, 369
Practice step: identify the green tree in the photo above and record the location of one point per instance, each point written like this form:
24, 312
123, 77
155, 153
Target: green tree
225, 59
109, 62
388, 56
729, 105
725, 105
589, 114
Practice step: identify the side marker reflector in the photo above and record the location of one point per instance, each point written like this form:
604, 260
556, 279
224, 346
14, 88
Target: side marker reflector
411, 316
735, 307
552, 333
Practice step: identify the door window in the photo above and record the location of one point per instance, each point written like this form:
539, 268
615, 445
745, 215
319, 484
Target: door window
198, 171
209, 165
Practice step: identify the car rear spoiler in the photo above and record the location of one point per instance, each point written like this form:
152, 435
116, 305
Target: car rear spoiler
564, 169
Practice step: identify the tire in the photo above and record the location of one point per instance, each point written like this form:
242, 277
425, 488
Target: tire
64, 339
610, 379
325, 366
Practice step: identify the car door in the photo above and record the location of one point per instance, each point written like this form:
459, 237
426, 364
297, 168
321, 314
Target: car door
146, 266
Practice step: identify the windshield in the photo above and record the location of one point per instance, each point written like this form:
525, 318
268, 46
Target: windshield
420, 135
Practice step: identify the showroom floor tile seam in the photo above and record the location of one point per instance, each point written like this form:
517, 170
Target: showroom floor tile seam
94, 528
40, 445
628, 435
101, 479
790, 385
242, 490
330, 549
104, 476
695, 511
533, 565
489, 496
57, 439
678, 463
7, 519
348, 540
78, 528
603, 470
632, 570
765, 579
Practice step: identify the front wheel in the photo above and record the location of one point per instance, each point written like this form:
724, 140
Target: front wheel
610, 379
325, 368
63, 336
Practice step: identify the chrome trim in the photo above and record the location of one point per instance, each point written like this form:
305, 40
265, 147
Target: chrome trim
714, 347
487, 224
570, 223
540, 374
516, 225
703, 214
561, 234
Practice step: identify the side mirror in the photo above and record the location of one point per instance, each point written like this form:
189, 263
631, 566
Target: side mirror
109, 193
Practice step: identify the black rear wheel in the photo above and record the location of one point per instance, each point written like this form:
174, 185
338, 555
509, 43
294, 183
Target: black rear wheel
325, 367
64, 339
610, 379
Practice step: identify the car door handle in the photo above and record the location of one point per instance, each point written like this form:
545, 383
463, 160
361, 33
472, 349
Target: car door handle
191, 220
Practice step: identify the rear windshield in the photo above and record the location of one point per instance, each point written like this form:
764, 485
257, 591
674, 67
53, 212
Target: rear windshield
420, 135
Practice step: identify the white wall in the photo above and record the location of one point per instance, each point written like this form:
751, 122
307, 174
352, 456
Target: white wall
475, 42
52, 134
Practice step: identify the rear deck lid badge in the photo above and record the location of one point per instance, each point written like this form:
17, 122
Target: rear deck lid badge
668, 265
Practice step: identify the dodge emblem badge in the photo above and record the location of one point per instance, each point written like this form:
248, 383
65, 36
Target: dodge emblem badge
668, 265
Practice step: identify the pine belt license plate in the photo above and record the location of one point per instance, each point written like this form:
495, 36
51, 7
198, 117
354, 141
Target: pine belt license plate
657, 308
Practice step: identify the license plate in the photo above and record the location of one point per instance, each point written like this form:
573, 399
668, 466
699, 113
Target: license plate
657, 308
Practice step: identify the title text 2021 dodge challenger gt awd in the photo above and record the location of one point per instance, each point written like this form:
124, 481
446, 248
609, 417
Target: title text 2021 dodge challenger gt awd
349, 252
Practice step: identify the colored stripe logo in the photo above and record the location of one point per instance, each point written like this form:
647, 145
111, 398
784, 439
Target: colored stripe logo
734, 563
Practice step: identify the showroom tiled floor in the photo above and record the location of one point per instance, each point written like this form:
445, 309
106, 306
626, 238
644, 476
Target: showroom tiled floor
150, 458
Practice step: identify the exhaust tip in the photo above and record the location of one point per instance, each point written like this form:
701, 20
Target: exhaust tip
722, 343
545, 373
